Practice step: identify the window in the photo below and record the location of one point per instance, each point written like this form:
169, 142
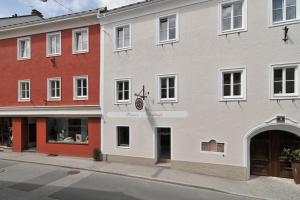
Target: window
233, 84
54, 89
123, 91
80, 40
123, 39
24, 90
24, 51
123, 136
67, 130
232, 16
54, 44
168, 88
285, 10
81, 88
285, 81
212, 146
168, 30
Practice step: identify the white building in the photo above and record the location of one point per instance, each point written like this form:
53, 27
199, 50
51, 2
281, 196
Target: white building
222, 76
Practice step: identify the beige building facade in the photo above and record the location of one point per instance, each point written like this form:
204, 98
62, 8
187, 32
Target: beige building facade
221, 85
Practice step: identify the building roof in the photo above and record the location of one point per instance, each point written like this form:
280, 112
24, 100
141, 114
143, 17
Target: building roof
38, 21
17, 20
129, 6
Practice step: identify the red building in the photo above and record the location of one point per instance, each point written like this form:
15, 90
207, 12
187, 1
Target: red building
50, 79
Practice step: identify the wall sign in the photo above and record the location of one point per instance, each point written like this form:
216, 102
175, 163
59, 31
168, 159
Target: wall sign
139, 104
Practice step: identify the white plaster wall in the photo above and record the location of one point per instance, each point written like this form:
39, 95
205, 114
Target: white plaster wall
196, 59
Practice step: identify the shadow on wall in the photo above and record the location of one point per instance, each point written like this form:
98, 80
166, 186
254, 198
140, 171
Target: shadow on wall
149, 114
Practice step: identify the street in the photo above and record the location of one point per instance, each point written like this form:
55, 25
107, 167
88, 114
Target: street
20, 181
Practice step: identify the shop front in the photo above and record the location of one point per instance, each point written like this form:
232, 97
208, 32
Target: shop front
71, 136
5, 132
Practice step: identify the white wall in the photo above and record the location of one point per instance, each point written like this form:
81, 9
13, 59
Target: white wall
196, 59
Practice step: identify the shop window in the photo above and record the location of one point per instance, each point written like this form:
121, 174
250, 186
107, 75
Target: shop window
213, 146
67, 130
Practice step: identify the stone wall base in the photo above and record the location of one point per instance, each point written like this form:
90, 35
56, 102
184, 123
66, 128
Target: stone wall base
224, 171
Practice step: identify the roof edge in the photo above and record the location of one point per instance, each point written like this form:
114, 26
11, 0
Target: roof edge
126, 8
51, 20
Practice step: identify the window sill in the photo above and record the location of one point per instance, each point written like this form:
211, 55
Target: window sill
123, 103
168, 101
81, 99
68, 143
53, 99
229, 32
53, 55
275, 98
24, 100
80, 52
233, 99
162, 43
213, 153
122, 50
123, 147
284, 23
22, 59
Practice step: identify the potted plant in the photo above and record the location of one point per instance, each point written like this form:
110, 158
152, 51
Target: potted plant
293, 156
97, 155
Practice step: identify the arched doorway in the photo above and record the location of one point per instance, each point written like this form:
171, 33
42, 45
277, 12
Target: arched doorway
265, 150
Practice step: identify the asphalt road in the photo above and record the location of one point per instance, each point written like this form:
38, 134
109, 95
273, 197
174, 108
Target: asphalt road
20, 181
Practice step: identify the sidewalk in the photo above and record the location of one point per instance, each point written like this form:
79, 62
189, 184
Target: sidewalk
258, 187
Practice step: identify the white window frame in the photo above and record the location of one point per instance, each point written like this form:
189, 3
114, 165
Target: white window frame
119, 102
243, 96
49, 89
244, 21
116, 38
158, 41
117, 137
167, 100
48, 44
75, 94
74, 31
284, 21
20, 99
18, 48
297, 82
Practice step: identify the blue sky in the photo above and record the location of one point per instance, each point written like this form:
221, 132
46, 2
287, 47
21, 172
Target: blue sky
52, 8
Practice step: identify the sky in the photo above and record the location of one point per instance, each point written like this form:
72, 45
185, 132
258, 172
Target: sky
53, 8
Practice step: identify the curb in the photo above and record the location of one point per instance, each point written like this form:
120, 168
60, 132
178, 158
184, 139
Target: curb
139, 177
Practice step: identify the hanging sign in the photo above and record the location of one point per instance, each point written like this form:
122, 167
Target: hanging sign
139, 104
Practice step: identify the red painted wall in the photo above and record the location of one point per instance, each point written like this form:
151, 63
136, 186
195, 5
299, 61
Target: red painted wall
39, 68
20, 136
80, 150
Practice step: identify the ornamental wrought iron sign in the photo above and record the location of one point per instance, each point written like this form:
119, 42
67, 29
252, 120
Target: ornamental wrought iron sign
141, 97
139, 104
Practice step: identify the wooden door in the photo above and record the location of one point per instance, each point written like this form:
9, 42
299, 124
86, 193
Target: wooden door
265, 153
